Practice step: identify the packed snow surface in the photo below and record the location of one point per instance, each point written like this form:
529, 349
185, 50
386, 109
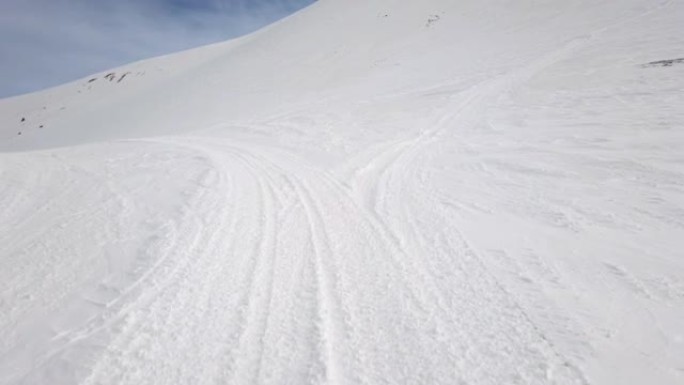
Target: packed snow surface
367, 192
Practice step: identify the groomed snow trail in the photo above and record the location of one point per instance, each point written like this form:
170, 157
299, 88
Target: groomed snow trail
480, 194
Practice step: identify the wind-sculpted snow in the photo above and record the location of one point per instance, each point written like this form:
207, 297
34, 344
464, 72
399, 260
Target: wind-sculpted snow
446, 193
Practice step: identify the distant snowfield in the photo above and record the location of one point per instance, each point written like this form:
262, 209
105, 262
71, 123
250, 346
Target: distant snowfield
367, 192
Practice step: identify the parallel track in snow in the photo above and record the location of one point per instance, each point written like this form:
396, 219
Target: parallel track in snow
493, 233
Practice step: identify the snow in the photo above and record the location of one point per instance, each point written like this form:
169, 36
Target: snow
380, 192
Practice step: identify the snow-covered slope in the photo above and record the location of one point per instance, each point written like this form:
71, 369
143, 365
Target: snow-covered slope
378, 192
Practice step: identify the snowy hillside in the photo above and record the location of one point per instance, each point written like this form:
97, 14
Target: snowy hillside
367, 192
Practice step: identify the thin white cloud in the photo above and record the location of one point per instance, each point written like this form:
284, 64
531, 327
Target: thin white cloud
48, 42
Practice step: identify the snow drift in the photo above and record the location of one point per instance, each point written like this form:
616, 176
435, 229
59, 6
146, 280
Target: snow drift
432, 192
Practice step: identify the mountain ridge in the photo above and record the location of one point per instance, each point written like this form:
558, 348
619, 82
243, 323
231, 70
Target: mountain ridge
365, 192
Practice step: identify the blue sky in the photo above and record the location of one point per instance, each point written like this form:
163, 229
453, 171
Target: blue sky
49, 42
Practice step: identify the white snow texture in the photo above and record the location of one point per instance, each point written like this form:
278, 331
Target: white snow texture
366, 192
